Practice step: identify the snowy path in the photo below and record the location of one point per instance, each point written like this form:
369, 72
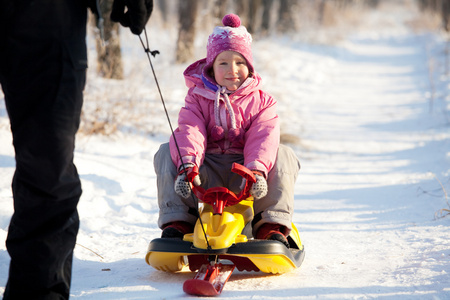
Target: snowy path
375, 148
371, 151
364, 201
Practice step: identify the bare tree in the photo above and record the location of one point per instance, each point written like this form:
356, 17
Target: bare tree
109, 56
433, 5
253, 16
265, 21
219, 9
243, 7
446, 15
286, 20
163, 7
248, 11
441, 7
187, 14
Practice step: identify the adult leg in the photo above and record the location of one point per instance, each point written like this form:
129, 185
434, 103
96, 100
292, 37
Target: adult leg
43, 76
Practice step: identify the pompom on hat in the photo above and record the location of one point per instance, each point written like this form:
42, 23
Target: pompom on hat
229, 37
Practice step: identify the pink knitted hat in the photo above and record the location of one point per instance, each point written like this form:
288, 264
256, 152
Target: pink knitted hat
232, 37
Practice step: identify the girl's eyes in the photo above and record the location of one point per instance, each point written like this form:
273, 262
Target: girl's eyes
238, 63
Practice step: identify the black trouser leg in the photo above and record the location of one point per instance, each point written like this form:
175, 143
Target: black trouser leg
43, 77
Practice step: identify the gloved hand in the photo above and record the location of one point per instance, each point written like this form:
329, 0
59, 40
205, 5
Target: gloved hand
259, 188
137, 14
182, 186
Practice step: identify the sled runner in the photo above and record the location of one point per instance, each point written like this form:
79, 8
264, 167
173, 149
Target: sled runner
217, 246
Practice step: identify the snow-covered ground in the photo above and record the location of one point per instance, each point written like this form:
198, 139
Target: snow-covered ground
370, 119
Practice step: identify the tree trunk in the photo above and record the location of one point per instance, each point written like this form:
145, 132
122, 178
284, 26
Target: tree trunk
187, 14
253, 16
285, 18
219, 9
267, 12
446, 15
109, 56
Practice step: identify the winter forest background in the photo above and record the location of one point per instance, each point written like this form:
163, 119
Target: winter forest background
262, 18
187, 24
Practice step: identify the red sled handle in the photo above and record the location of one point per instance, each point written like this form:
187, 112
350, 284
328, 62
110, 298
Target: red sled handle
220, 197
250, 179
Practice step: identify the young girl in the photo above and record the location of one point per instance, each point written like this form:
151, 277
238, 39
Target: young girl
227, 119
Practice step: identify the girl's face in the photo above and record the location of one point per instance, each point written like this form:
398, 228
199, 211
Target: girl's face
230, 70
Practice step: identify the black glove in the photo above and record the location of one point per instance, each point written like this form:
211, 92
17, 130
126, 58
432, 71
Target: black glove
137, 15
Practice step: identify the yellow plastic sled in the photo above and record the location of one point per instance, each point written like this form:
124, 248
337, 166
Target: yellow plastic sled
217, 244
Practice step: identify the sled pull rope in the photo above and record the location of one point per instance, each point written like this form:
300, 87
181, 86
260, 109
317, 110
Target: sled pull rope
153, 53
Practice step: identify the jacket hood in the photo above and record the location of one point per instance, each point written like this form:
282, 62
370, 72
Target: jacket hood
196, 75
197, 78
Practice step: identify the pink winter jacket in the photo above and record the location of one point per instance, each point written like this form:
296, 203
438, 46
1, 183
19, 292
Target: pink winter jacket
252, 129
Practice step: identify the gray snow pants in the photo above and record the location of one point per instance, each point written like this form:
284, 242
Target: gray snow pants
276, 207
